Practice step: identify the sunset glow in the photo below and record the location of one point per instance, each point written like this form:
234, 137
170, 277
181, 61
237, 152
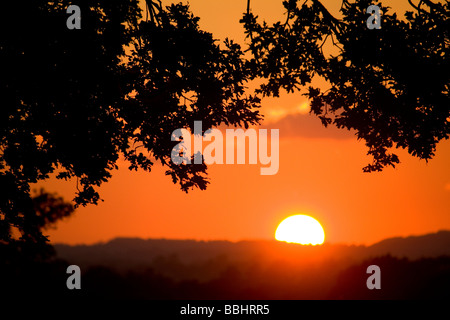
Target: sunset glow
193, 154
319, 170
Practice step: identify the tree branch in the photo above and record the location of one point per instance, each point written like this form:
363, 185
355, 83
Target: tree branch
334, 23
417, 7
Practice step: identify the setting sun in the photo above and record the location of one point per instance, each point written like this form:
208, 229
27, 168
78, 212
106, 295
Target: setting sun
301, 229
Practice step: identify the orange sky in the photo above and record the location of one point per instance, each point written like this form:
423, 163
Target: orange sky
320, 174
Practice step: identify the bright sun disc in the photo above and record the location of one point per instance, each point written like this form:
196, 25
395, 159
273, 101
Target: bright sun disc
301, 229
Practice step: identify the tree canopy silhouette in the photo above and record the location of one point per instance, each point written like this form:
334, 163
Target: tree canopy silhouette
391, 85
47, 209
73, 101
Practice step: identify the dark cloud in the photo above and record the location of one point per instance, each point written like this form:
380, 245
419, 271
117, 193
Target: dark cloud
307, 126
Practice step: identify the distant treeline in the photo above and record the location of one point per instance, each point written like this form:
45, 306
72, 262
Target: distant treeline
257, 278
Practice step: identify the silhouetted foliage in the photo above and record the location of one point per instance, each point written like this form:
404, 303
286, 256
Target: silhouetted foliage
73, 101
23, 246
27, 263
46, 210
391, 85
50, 208
179, 75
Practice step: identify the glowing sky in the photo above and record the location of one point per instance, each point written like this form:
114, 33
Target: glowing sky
320, 175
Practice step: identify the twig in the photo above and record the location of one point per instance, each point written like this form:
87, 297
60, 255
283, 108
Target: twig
418, 7
325, 40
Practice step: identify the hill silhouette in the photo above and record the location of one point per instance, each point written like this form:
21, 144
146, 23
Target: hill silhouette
130, 268
125, 254
414, 247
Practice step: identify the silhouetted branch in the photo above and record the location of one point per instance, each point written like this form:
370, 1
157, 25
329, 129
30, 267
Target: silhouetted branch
430, 4
150, 7
418, 6
334, 23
